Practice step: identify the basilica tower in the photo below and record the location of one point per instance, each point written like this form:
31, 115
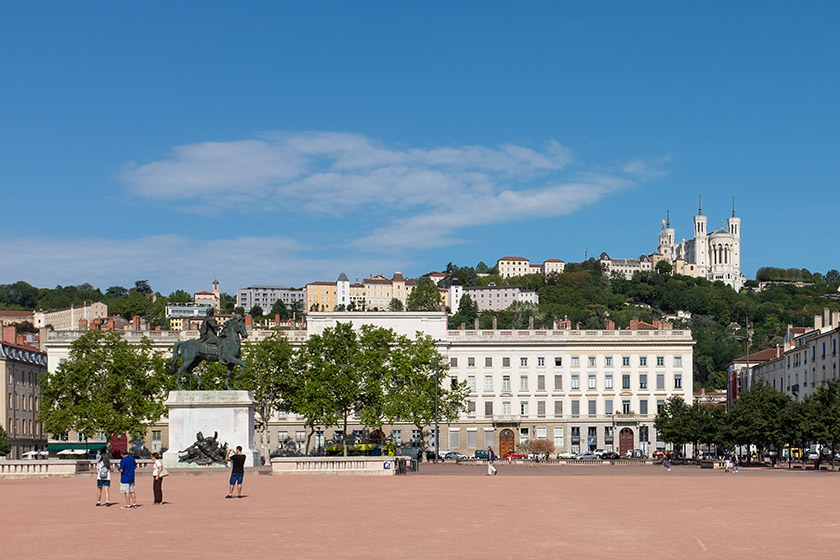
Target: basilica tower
700, 239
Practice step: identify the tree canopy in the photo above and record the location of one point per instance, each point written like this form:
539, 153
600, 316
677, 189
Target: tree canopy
425, 296
106, 385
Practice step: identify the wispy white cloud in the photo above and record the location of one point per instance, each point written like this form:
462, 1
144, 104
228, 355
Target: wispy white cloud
425, 194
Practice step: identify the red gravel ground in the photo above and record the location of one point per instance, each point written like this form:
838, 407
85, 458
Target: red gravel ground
444, 511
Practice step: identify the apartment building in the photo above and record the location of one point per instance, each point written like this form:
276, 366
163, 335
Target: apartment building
20, 366
808, 359
580, 389
267, 296
67, 319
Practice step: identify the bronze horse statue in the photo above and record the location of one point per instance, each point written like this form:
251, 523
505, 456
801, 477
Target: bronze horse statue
227, 352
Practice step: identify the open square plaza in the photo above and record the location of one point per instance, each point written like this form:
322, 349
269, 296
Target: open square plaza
443, 511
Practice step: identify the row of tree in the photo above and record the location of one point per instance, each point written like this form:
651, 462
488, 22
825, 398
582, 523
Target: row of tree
762, 417
371, 375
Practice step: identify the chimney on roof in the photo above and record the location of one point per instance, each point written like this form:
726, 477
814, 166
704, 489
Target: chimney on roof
83, 324
9, 333
531, 323
276, 319
826, 317
818, 322
609, 325
110, 325
135, 322
249, 321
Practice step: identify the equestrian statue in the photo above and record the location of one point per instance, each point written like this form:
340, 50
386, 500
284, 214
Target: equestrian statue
213, 345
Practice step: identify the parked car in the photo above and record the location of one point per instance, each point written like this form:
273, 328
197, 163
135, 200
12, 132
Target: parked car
599, 452
480, 454
588, 456
455, 456
565, 455
658, 454
610, 456
514, 455
430, 456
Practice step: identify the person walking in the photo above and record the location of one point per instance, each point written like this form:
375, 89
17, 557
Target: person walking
158, 472
103, 480
237, 471
735, 462
491, 458
127, 468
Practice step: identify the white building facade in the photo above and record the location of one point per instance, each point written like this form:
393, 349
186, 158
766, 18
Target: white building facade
267, 296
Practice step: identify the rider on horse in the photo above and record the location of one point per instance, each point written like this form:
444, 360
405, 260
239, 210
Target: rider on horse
209, 335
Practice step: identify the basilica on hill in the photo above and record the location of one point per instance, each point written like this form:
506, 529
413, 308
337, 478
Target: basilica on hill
714, 255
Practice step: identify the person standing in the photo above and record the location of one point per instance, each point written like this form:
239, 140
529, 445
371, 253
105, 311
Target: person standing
157, 473
491, 458
237, 471
103, 480
127, 467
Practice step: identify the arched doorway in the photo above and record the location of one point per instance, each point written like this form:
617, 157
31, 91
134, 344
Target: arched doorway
625, 441
506, 443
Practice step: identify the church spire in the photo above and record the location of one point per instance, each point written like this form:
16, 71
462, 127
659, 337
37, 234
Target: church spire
733, 206
668, 218
700, 206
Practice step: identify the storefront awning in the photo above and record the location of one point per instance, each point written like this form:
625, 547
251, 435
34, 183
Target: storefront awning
67, 445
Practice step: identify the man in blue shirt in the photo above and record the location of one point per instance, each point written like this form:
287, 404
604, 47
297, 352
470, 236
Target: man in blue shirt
127, 467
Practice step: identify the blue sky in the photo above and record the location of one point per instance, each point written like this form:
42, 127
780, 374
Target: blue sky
282, 143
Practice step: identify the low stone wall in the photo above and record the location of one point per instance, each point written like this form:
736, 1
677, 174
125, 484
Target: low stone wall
381, 466
43, 468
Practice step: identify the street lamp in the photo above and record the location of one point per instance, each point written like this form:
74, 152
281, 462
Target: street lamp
437, 427
746, 338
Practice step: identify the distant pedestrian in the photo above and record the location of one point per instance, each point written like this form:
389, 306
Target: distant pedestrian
735, 462
158, 472
727, 460
491, 458
237, 471
103, 480
127, 467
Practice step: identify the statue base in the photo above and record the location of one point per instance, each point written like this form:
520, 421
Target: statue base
230, 413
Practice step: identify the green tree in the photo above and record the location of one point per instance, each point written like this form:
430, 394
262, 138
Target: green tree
106, 385
226, 303
344, 365
268, 364
664, 267
279, 308
179, 296
5, 442
425, 296
674, 423
822, 415
142, 287
757, 417
116, 291
417, 369
395, 305
256, 312
468, 309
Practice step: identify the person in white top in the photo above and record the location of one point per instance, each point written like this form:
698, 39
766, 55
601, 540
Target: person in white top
157, 473
103, 479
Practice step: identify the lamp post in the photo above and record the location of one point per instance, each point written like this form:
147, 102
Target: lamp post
437, 427
746, 338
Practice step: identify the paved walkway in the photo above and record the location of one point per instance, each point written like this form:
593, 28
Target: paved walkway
444, 511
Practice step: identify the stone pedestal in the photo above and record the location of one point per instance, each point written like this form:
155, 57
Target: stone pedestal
230, 413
